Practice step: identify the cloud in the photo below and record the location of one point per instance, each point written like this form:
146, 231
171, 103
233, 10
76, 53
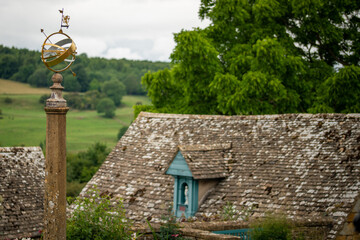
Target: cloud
162, 48
91, 46
139, 29
120, 52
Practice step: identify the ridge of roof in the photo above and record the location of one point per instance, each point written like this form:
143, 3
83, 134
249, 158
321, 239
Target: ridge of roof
16, 149
253, 117
204, 147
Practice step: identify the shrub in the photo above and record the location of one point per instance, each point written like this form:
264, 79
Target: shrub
270, 228
107, 106
82, 166
84, 101
229, 212
74, 188
114, 90
8, 100
96, 218
169, 228
43, 98
122, 131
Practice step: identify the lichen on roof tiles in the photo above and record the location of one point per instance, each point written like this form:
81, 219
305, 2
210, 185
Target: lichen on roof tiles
300, 164
21, 192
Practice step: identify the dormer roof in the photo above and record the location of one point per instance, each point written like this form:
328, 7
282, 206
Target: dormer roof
207, 161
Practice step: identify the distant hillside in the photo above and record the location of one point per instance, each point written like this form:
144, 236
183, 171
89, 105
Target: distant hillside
12, 87
25, 66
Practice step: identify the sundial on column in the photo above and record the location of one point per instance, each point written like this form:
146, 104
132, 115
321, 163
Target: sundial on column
58, 50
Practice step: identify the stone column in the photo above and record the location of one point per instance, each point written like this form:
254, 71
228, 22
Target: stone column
55, 164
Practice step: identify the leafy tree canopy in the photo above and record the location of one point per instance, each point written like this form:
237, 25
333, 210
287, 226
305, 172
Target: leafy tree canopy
115, 90
21, 64
263, 57
106, 106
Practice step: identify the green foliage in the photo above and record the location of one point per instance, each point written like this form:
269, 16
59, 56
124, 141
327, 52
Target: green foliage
73, 189
229, 212
89, 100
8, 65
71, 83
25, 66
24, 123
272, 227
8, 100
81, 76
94, 217
122, 131
340, 92
80, 167
41, 77
95, 85
23, 73
43, 98
107, 106
169, 228
84, 101
161, 88
143, 108
263, 57
114, 90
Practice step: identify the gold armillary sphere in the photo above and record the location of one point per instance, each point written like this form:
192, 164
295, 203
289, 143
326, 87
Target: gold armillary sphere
58, 50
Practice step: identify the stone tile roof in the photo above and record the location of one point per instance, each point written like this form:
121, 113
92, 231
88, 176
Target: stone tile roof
302, 165
21, 191
207, 161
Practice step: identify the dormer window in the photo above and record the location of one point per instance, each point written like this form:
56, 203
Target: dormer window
196, 169
185, 188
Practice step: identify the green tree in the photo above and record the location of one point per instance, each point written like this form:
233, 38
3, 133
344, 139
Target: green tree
41, 77
81, 76
70, 82
80, 167
95, 85
107, 106
340, 92
20, 64
115, 90
260, 57
8, 65
132, 85
23, 73
122, 131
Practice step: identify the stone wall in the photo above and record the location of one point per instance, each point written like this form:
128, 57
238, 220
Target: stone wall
314, 230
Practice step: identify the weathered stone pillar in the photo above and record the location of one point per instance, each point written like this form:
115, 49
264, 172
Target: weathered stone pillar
55, 165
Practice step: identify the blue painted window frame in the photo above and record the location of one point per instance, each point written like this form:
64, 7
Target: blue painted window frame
182, 175
244, 233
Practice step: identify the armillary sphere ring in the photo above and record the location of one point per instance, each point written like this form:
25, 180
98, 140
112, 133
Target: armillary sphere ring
63, 51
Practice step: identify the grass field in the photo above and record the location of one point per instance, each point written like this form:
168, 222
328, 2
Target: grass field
23, 121
12, 87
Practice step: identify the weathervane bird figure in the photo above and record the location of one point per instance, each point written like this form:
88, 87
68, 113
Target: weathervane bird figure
58, 50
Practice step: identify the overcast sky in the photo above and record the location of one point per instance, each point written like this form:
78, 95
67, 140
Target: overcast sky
131, 29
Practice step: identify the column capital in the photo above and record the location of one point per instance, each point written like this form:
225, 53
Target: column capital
52, 110
56, 100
